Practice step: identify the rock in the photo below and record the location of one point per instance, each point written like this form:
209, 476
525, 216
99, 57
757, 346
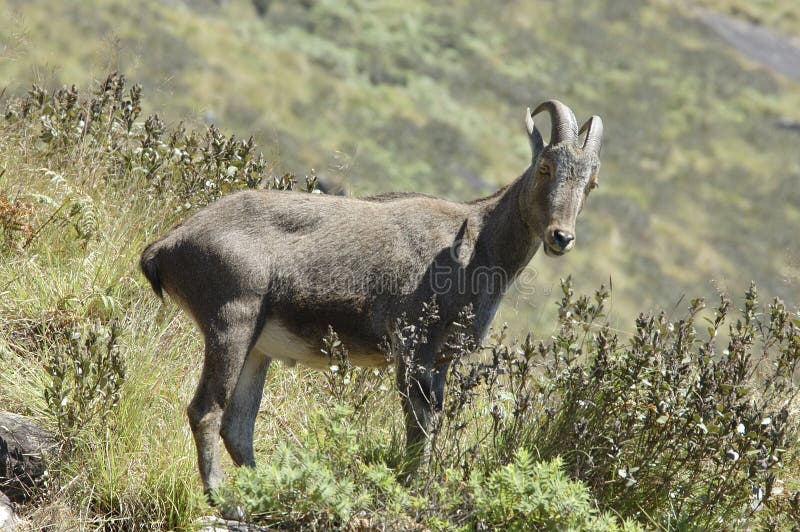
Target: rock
23, 448
8, 518
216, 524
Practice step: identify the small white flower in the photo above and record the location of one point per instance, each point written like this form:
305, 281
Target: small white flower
766, 421
316, 191
346, 380
231, 171
740, 428
732, 455
334, 368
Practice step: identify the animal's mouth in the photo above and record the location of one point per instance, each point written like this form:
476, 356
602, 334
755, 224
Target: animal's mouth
552, 251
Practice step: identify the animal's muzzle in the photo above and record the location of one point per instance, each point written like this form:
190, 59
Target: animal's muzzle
562, 240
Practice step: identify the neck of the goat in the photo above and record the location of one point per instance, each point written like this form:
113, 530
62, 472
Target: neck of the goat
507, 237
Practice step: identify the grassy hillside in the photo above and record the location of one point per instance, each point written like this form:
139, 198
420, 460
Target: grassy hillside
698, 195
697, 183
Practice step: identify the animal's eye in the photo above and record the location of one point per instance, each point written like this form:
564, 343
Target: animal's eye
544, 170
593, 184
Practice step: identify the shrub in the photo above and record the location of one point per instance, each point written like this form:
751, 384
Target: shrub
665, 427
297, 487
668, 425
526, 494
328, 481
86, 374
184, 169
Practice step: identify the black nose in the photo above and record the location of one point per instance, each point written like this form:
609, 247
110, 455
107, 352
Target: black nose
562, 239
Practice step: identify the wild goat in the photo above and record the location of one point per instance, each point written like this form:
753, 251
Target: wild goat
264, 274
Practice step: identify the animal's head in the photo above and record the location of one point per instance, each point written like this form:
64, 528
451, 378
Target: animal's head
561, 175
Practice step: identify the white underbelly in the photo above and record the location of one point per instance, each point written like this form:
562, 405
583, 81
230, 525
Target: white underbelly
279, 343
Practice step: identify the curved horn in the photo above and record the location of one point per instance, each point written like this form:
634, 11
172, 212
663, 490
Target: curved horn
594, 134
565, 127
534, 137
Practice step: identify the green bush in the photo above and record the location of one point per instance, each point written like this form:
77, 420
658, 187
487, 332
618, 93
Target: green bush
526, 494
86, 375
668, 424
296, 486
184, 169
328, 481
324, 482
333, 475
665, 427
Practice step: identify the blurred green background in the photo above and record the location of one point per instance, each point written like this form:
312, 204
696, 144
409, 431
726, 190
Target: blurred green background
700, 184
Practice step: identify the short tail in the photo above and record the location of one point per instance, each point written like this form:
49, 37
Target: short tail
150, 270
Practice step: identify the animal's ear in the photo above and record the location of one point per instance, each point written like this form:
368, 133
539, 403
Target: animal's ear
594, 179
534, 137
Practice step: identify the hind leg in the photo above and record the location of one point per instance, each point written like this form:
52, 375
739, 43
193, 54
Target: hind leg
204, 419
239, 417
227, 344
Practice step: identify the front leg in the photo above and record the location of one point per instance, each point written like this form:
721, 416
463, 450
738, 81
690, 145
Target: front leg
421, 385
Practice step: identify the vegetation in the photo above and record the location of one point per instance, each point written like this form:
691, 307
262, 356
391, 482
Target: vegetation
684, 422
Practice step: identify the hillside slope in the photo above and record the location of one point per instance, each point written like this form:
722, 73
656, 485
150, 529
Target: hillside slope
698, 183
